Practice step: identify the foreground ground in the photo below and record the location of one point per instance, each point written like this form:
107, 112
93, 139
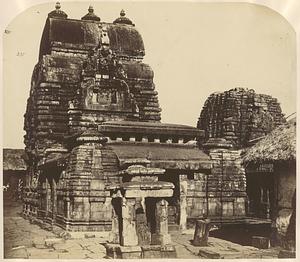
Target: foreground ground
25, 240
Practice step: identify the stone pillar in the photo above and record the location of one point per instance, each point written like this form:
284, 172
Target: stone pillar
114, 236
48, 192
183, 201
143, 231
161, 236
129, 235
67, 211
54, 200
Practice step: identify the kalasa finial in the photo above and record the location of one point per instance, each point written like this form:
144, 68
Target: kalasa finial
90, 15
91, 9
57, 13
123, 20
57, 5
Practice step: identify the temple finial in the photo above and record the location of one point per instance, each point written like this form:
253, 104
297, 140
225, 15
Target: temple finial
122, 13
57, 13
90, 16
57, 5
91, 9
123, 20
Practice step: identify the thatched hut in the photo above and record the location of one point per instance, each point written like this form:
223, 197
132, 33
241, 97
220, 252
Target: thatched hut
271, 178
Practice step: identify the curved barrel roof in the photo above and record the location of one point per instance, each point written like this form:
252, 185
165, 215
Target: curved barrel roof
86, 34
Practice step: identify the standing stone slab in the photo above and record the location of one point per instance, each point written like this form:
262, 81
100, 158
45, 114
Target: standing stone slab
201, 232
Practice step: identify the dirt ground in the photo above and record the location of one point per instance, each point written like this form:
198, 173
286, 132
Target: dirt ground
25, 240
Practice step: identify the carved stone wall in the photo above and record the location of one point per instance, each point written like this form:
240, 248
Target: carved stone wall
239, 115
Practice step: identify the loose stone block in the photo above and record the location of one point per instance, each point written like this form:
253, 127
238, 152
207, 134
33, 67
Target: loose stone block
49, 242
208, 253
151, 251
111, 250
89, 235
201, 232
129, 252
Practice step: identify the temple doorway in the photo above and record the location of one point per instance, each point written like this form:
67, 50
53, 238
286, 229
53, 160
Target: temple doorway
260, 191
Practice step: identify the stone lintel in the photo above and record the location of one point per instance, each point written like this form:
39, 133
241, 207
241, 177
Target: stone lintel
141, 170
143, 185
182, 164
133, 161
134, 193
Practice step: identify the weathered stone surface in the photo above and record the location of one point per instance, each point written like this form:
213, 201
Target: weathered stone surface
287, 254
129, 235
208, 253
183, 184
202, 228
18, 252
239, 115
168, 251
260, 242
161, 235
111, 250
129, 252
49, 242
151, 251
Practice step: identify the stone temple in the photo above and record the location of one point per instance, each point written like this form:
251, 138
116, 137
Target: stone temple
100, 160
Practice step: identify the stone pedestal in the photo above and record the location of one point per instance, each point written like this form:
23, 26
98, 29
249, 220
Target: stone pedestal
201, 232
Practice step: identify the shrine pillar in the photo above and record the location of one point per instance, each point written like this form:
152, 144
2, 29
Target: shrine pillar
129, 234
183, 201
161, 236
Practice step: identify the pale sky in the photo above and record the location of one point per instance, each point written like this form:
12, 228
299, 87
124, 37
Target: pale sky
195, 49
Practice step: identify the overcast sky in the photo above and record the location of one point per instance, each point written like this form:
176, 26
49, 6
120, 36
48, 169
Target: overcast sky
195, 49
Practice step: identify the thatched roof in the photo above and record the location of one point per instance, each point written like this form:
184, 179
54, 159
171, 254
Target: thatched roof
13, 159
279, 145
